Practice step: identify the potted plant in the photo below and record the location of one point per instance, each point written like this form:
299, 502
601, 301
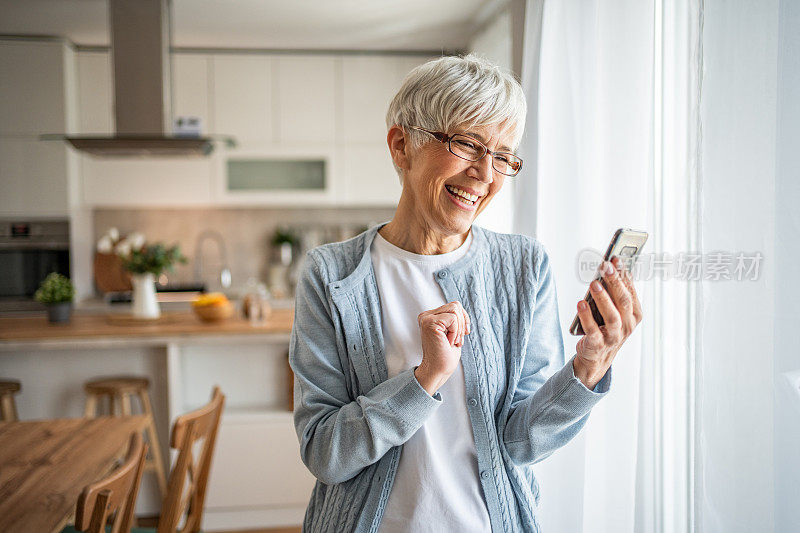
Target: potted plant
284, 241
56, 292
145, 264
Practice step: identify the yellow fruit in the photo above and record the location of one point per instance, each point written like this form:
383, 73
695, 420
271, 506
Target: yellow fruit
210, 299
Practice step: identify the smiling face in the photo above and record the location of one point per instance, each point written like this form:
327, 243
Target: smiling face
434, 180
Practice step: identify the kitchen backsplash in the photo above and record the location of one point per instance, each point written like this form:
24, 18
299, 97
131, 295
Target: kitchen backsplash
247, 234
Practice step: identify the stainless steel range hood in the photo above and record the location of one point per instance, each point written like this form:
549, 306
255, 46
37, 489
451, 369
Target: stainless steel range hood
140, 45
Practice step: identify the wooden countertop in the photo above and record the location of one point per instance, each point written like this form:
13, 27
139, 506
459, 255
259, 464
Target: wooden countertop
101, 326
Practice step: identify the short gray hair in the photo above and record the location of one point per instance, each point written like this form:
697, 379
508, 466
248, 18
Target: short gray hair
452, 91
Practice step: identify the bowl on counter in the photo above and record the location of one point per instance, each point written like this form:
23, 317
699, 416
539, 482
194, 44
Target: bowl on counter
213, 307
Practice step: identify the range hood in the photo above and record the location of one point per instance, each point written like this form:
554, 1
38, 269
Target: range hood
140, 46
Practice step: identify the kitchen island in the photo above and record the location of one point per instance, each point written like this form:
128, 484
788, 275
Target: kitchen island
257, 478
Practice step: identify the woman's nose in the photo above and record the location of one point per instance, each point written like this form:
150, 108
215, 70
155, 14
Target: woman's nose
484, 170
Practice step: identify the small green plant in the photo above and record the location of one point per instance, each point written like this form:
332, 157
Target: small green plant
283, 236
153, 259
55, 288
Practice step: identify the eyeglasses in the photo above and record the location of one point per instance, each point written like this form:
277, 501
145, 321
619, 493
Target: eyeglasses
471, 149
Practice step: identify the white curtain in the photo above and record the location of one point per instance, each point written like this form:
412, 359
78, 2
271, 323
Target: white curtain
612, 148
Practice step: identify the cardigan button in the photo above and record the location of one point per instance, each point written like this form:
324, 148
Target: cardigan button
485, 474
443, 274
473, 402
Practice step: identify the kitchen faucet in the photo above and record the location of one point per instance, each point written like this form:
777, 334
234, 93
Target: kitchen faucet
225, 272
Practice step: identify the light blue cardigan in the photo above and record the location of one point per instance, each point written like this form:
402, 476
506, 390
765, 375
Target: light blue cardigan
351, 421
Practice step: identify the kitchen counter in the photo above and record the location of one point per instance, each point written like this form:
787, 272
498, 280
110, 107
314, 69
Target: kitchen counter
36, 330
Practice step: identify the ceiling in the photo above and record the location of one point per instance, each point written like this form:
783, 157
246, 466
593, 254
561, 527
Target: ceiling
276, 24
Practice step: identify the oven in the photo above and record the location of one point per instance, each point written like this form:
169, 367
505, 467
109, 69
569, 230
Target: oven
29, 250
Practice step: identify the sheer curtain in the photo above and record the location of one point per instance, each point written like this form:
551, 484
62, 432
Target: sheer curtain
614, 145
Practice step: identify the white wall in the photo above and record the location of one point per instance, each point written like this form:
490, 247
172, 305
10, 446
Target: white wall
787, 259
735, 371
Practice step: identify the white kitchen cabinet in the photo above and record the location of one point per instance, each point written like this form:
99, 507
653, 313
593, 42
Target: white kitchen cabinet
257, 477
33, 88
37, 89
367, 175
33, 177
95, 93
318, 158
242, 97
306, 100
190, 89
244, 484
146, 182
286, 107
368, 84
143, 182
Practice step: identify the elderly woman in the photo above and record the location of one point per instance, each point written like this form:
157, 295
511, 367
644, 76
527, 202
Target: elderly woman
427, 351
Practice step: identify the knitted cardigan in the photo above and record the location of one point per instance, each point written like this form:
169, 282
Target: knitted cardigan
523, 401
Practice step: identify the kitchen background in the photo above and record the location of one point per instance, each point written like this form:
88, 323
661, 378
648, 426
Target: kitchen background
301, 88
291, 112
680, 117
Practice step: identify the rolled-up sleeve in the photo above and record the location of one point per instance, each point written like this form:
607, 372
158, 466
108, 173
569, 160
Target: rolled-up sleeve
340, 435
550, 405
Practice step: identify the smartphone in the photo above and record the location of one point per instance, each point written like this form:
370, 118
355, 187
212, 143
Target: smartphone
625, 244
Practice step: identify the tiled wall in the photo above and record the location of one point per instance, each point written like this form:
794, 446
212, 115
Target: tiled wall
247, 233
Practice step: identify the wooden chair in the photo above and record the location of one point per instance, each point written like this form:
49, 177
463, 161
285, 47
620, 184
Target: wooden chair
188, 479
120, 390
112, 496
8, 409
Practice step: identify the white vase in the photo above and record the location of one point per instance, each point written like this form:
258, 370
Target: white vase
145, 304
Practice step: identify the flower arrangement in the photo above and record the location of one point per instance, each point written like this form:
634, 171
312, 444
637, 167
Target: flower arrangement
152, 259
138, 256
143, 261
55, 289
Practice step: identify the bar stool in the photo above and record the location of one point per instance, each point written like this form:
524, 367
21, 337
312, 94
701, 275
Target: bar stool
8, 409
119, 391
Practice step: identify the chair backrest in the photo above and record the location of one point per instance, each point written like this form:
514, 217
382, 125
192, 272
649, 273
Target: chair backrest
188, 479
114, 494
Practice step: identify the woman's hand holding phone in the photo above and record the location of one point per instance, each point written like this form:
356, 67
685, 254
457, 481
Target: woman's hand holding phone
621, 310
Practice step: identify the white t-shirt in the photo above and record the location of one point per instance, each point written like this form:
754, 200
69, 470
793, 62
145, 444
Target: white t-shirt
437, 487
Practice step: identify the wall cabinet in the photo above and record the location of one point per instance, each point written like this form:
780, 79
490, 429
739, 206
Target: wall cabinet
37, 87
190, 90
33, 88
33, 175
95, 93
275, 106
306, 99
146, 182
368, 85
242, 97
367, 174
250, 174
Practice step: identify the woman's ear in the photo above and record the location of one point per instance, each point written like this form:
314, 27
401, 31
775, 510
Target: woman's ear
396, 139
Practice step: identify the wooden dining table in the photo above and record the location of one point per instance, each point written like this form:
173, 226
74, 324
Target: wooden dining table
45, 464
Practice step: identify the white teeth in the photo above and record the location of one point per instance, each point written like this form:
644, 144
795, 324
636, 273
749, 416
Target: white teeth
464, 194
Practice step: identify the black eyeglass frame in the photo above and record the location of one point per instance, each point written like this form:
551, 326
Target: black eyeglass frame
447, 139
